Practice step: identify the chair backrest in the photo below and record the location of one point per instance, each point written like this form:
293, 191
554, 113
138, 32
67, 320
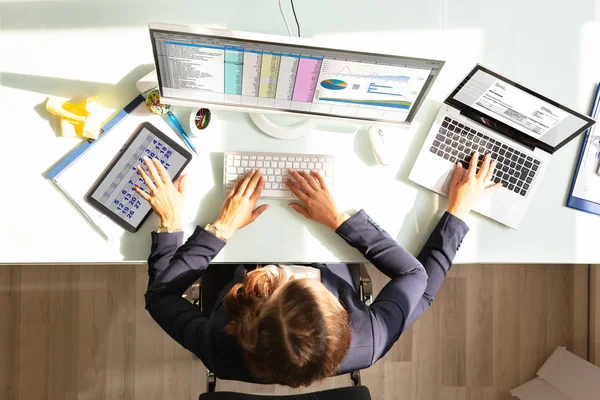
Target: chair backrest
346, 393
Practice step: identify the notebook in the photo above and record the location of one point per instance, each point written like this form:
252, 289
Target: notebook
77, 172
585, 187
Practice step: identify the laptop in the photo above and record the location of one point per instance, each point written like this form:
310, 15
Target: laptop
520, 128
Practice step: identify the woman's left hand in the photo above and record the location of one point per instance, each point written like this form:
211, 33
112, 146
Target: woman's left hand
165, 197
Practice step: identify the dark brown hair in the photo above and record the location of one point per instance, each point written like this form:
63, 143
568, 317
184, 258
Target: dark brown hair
291, 332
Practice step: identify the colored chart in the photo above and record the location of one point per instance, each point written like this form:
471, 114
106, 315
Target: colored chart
334, 84
381, 103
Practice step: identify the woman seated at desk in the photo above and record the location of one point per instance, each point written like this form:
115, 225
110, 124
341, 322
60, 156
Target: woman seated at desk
295, 325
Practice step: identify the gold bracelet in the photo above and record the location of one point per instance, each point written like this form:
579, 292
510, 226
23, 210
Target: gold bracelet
210, 228
166, 229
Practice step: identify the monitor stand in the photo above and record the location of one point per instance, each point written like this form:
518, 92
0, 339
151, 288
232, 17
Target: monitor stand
294, 131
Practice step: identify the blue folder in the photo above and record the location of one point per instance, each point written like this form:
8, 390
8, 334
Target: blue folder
576, 202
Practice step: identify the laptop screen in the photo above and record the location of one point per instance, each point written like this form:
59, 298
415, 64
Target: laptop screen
507, 106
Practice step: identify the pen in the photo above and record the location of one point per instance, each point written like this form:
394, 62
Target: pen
182, 133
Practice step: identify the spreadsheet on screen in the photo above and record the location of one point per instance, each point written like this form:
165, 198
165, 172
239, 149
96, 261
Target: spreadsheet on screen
302, 79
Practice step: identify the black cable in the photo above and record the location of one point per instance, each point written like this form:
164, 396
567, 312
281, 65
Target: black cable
295, 17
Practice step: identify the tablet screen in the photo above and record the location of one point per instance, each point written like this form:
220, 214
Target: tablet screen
114, 192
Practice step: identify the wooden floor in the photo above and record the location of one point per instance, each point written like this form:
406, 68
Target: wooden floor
81, 332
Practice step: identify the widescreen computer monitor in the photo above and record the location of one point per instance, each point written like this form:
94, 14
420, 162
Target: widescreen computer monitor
279, 74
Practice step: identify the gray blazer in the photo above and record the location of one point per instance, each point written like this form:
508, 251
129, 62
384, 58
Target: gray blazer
173, 267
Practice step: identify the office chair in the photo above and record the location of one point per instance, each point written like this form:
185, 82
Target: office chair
204, 294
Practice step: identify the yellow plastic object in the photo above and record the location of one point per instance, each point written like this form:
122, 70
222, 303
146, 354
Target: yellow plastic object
83, 119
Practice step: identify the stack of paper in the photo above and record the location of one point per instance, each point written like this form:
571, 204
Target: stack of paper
564, 376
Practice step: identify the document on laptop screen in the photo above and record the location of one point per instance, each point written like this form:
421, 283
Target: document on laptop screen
519, 109
523, 111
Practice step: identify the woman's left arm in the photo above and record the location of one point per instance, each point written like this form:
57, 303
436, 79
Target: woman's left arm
173, 267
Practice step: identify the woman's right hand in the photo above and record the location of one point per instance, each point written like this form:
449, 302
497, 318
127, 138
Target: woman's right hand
318, 202
465, 192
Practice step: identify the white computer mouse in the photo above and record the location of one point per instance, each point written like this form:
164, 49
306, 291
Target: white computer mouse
378, 144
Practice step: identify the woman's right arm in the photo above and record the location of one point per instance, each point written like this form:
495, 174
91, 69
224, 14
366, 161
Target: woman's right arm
466, 188
398, 299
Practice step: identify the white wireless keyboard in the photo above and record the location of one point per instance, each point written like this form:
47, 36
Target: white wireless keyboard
274, 168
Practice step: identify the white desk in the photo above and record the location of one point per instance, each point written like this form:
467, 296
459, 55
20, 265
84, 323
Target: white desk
47, 50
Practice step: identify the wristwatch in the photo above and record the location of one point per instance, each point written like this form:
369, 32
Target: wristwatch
165, 229
215, 231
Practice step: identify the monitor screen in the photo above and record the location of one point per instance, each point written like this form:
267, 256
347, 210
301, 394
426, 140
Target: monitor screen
518, 108
289, 77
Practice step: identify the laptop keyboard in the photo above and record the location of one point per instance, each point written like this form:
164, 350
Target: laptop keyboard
456, 142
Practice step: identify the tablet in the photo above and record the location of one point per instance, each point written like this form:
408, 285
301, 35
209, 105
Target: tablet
113, 193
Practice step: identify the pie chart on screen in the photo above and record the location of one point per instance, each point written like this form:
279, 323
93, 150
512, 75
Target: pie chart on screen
334, 84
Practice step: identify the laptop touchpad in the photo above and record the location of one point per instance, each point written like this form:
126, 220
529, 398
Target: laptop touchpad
446, 188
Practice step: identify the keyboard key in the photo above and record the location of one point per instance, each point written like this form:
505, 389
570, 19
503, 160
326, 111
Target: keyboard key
512, 179
446, 156
267, 185
296, 165
536, 162
229, 163
445, 124
236, 163
535, 167
453, 160
511, 186
496, 148
231, 170
267, 164
436, 143
523, 192
527, 164
447, 119
440, 137
528, 180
